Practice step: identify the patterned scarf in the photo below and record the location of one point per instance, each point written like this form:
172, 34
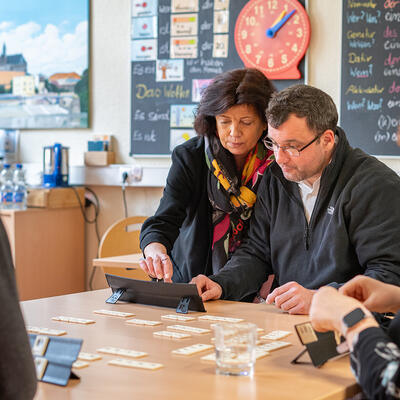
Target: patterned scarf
232, 199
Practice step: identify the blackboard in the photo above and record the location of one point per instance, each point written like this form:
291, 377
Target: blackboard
153, 127
370, 84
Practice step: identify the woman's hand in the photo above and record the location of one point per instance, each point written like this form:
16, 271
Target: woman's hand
157, 263
375, 295
328, 307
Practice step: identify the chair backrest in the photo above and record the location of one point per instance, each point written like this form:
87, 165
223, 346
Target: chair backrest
121, 238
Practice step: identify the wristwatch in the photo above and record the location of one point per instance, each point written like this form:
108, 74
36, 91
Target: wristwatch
353, 318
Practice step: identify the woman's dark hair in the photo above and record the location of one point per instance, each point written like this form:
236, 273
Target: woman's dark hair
231, 88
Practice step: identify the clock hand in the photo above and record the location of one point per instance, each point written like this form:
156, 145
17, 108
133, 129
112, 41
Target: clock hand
270, 32
281, 15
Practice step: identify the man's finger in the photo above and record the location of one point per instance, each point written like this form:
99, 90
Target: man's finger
276, 292
209, 294
283, 298
289, 303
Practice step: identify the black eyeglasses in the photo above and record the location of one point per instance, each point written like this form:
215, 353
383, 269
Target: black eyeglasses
292, 151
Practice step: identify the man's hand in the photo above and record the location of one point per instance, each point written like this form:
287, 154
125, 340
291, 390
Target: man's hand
375, 295
292, 297
208, 289
157, 263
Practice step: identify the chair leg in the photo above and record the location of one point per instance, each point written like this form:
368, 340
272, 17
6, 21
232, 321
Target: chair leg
92, 277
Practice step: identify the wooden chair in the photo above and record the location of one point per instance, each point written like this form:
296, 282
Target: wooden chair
121, 238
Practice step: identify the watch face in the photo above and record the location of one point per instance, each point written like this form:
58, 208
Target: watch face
273, 36
353, 317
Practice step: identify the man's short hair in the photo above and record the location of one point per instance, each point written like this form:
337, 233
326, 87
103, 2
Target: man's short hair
303, 101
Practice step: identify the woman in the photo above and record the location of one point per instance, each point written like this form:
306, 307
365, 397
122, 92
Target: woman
212, 184
375, 350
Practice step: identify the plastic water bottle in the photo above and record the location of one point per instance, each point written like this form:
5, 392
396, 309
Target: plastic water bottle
20, 192
7, 188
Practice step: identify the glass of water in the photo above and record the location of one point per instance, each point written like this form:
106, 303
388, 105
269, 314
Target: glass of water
235, 346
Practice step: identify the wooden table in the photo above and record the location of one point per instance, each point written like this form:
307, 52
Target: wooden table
126, 261
125, 265
181, 377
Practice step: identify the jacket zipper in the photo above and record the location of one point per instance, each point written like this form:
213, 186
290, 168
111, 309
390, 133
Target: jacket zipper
306, 237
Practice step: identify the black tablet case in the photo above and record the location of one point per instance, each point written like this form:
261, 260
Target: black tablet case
156, 293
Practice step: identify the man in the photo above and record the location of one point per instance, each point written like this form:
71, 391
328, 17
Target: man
325, 211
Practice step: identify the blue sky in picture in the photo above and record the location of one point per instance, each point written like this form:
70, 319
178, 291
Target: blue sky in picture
51, 35
60, 13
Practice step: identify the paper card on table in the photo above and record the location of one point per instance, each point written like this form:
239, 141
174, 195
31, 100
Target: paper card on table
88, 356
216, 318
274, 335
122, 352
143, 322
40, 365
73, 320
190, 329
120, 362
114, 313
274, 345
80, 364
171, 335
45, 331
40, 345
176, 317
194, 349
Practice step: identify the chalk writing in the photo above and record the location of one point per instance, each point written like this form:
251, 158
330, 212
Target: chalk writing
370, 87
357, 4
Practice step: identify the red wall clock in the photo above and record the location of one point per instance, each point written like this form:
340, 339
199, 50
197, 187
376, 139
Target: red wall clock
273, 36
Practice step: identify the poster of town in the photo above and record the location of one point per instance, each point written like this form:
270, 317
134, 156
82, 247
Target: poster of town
44, 61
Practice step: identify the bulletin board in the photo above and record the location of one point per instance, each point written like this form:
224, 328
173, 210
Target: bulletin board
167, 78
370, 83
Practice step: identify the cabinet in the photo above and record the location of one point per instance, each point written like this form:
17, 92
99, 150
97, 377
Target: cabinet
48, 247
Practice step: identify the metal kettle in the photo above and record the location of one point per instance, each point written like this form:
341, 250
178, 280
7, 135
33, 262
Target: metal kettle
55, 165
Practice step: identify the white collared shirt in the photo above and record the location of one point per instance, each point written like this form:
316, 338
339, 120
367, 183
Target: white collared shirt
309, 196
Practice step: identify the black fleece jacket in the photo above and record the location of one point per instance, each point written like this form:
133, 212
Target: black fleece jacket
182, 222
354, 228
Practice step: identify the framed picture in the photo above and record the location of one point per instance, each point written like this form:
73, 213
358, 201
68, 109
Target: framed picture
44, 64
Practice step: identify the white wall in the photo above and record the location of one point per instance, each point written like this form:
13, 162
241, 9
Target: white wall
110, 101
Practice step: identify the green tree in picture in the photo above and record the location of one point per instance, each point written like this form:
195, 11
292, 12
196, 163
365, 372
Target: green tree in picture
82, 90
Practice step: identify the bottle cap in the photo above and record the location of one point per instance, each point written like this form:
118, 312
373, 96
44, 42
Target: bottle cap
6, 165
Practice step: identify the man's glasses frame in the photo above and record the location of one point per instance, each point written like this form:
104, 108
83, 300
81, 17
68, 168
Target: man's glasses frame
292, 151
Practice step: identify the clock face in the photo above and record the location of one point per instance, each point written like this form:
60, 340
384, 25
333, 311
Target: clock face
261, 43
